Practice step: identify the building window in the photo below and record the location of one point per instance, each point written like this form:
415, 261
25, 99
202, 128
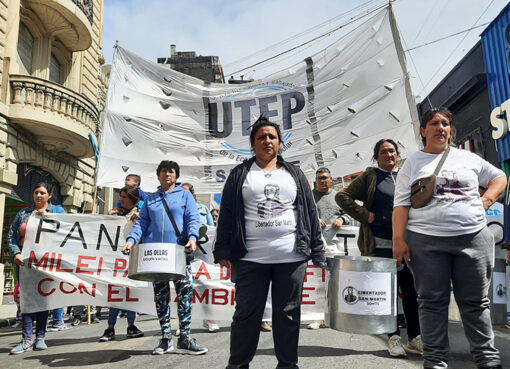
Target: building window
25, 49
54, 69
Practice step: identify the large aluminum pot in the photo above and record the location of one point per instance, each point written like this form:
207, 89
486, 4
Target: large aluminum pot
362, 295
154, 262
498, 293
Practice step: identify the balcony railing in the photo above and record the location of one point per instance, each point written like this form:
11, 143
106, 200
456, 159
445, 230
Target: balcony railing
86, 7
48, 96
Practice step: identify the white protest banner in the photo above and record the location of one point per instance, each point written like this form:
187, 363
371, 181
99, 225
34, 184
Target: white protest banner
75, 259
332, 108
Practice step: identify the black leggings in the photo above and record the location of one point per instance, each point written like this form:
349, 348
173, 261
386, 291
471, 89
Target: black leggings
405, 283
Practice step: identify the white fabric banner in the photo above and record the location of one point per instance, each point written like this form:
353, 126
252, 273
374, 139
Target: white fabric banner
76, 259
332, 108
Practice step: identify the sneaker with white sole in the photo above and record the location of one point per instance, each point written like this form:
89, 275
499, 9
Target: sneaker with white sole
133, 332
165, 345
395, 347
23, 346
59, 327
39, 344
108, 335
211, 325
415, 346
265, 327
187, 345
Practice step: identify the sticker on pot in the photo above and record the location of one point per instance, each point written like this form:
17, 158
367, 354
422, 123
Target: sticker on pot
366, 293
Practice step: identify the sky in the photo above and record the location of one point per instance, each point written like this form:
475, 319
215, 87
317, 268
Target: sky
244, 32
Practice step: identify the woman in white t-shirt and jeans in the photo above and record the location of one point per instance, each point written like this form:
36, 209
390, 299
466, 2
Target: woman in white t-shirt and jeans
268, 228
447, 242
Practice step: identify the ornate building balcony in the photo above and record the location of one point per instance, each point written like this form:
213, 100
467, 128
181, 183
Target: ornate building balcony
70, 20
59, 118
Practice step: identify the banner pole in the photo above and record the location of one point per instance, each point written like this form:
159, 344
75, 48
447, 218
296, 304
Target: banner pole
94, 200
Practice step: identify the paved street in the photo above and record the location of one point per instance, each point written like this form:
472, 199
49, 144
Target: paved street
324, 348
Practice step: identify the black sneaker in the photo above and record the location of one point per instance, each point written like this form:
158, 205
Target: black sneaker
133, 332
165, 345
76, 320
108, 335
188, 345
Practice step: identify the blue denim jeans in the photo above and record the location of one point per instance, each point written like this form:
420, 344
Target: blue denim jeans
58, 316
114, 312
41, 318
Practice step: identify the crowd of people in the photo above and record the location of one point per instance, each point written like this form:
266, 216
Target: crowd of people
271, 223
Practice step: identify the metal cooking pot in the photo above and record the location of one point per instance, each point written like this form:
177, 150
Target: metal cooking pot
153, 262
361, 295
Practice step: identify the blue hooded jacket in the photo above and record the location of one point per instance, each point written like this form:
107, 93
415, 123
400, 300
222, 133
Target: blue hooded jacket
153, 224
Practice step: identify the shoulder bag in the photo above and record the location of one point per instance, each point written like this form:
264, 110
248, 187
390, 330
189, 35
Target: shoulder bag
423, 189
181, 240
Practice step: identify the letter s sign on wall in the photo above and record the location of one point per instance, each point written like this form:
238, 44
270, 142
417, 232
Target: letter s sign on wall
499, 120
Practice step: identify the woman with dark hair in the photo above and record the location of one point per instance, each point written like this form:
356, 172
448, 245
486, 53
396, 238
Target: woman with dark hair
376, 188
129, 203
268, 229
154, 225
42, 194
446, 242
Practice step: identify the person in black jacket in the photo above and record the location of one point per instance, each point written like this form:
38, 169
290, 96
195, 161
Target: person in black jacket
268, 229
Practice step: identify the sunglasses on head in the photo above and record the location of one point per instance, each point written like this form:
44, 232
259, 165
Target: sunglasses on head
322, 178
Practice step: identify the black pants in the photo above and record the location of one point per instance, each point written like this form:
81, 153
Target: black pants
252, 285
405, 282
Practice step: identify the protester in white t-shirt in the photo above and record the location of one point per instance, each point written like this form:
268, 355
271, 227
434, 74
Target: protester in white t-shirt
446, 242
268, 228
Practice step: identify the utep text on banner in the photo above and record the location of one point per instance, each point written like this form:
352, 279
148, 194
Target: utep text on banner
76, 259
332, 108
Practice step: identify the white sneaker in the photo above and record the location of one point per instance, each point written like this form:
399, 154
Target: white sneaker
395, 347
415, 346
314, 325
211, 325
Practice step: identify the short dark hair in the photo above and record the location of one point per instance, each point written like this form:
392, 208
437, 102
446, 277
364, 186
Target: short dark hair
45, 185
429, 115
131, 192
262, 121
168, 164
322, 170
136, 177
378, 144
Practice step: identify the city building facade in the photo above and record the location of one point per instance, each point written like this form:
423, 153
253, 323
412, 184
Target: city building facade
206, 68
50, 86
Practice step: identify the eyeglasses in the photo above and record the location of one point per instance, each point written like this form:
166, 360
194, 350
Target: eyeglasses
323, 178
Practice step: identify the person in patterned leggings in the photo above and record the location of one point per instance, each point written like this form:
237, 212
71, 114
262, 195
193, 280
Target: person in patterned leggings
154, 225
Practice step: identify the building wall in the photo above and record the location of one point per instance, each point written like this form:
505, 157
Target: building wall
206, 68
18, 144
3, 31
464, 92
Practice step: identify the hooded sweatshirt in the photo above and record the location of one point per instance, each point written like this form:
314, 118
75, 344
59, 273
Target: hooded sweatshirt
153, 223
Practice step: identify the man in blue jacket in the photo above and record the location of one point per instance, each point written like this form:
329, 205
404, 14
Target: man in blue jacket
154, 225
